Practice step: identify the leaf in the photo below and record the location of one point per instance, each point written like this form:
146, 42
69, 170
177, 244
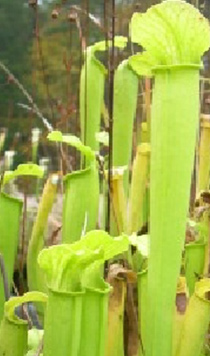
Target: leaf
142, 64
111, 246
27, 169
73, 141
14, 302
119, 41
172, 32
64, 266
69, 267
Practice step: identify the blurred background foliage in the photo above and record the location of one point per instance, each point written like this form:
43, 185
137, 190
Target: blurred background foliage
42, 44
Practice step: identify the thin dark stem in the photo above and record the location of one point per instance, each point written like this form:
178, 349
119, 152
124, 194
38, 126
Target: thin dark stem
91, 17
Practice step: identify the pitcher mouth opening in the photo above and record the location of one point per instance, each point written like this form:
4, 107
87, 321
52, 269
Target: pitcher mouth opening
169, 67
75, 293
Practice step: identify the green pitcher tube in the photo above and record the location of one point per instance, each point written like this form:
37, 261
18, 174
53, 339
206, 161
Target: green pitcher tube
204, 154
125, 102
142, 308
196, 321
174, 127
179, 312
91, 99
194, 263
92, 81
13, 338
62, 328
140, 177
13, 330
165, 31
115, 334
94, 324
10, 213
36, 243
80, 209
118, 202
144, 133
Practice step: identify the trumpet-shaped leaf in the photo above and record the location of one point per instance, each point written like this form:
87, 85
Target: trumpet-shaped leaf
81, 202
118, 206
119, 41
196, 321
62, 329
140, 176
173, 32
194, 263
64, 266
175, 36
95, 307
92, 82
111, 246
10, 212
204, 154
125, 86
95, 302
142, 64
142, 311
73, 141
13, 330
36, 242
27, 169
14, 302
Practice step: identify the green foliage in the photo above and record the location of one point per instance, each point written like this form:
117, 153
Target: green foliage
10, 213
124, 114
160, 32
92, 83
66, 265
13, 330
27, 169
14, 302
15, 40
73, 141
166, 31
